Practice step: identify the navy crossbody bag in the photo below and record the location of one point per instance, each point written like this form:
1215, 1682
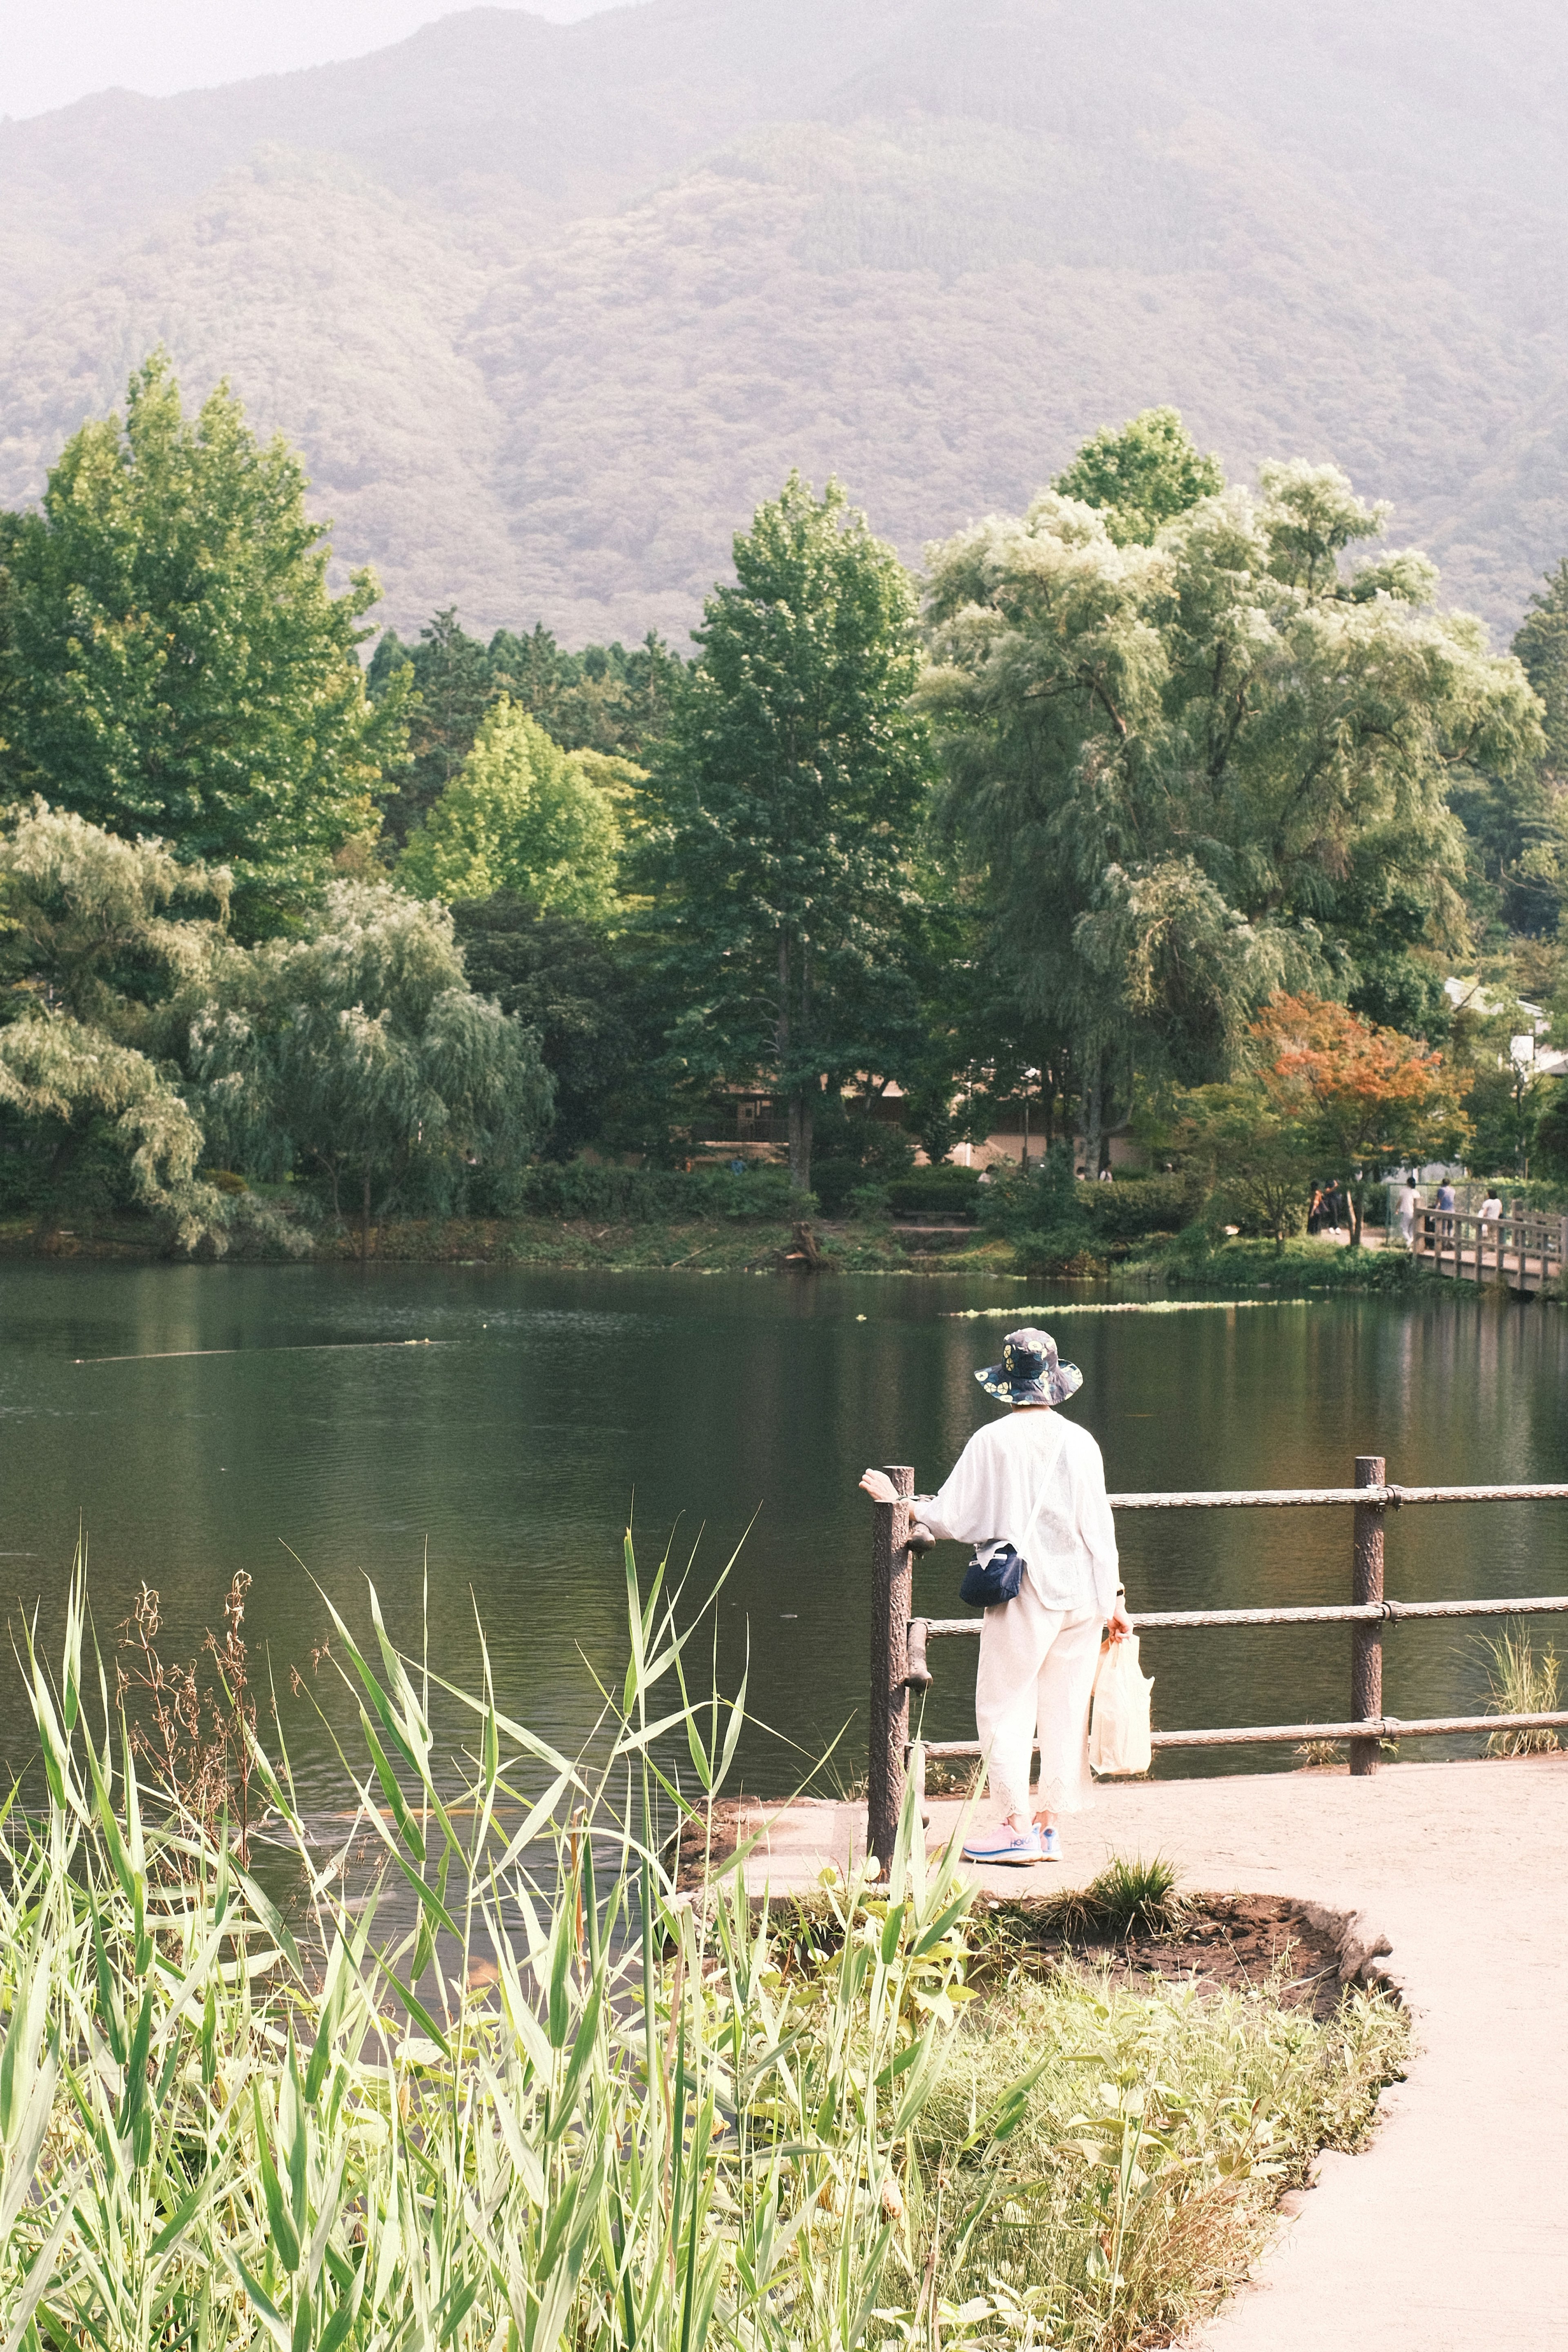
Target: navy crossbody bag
996, 1570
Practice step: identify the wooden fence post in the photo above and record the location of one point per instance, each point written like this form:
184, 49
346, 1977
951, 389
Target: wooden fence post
892, 1588
1366, 1639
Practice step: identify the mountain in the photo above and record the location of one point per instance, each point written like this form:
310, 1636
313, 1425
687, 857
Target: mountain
550, 306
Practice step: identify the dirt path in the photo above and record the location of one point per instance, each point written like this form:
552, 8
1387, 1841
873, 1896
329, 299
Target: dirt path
1450, 2234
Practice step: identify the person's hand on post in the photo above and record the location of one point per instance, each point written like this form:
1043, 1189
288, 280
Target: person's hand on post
878, 1485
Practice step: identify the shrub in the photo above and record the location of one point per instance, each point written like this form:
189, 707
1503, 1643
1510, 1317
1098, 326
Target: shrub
944, 1189
634, 1196
836, 1182
1053, 1219
850, 1149
1151, 1204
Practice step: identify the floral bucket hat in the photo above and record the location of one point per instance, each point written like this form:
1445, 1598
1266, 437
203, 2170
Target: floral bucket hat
1029, 1372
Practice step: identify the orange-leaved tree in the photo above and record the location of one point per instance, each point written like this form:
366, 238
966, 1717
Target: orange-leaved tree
1367, 1097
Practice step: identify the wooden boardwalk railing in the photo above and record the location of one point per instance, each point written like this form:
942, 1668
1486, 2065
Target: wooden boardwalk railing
1524, 1251
899, 1641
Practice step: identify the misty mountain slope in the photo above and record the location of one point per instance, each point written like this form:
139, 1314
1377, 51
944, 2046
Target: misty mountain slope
550, 307
792, 308
290, 280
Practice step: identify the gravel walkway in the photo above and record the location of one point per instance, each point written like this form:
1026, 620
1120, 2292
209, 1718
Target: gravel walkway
1450, 2233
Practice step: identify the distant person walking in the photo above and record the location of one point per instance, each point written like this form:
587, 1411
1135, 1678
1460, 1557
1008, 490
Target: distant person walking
1315, 1211
1036, 1482
1331, 1204
1409, 1201
1446, 1198
1491, 1209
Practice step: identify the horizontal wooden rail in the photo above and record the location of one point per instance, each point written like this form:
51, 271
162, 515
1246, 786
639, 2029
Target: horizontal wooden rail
1378, 1497
1369, 1612
1375, 1727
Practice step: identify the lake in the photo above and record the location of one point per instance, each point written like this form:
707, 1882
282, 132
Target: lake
270, 1419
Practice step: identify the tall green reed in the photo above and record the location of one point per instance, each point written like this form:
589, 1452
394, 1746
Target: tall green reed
555, 2100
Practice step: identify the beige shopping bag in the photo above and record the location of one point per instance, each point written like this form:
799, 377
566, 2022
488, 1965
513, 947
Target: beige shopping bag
1119, 1723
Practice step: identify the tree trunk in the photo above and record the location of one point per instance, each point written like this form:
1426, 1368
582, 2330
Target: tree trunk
1356, 1200
802, 1117
365, 1223
48, 1223
1093, 1118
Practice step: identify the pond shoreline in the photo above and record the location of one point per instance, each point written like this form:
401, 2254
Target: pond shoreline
870, 1245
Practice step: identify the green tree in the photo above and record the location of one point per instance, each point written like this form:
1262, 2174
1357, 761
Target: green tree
448, 683
1551, 1129
1519, 821
587, 1001
604, 701
521, 815
1541, 645
785, 803
1258, 1158
362, 1052
103, 954
1191, 774
1141, 476
174, 661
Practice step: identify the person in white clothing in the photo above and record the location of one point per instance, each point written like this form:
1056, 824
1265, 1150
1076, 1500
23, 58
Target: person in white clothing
1036, 1481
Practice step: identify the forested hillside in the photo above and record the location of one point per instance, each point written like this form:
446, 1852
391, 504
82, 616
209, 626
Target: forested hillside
549, 307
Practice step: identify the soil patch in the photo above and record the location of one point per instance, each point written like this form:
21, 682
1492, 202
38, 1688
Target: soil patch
1218, 1942
1221, 1942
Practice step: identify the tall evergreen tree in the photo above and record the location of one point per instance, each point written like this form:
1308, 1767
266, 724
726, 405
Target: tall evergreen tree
785, 800
448, 678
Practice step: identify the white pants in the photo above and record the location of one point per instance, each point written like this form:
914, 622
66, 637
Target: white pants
1036, 1677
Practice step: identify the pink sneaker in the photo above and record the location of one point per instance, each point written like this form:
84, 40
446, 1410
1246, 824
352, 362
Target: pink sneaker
1004, 1843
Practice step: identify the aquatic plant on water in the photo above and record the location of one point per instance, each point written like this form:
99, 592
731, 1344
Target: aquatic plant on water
514, 2088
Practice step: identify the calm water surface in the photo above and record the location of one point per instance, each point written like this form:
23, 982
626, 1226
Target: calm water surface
721, 1412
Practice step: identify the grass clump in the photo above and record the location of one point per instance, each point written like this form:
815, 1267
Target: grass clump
1134, 2176
1522, 1684
1130, 1897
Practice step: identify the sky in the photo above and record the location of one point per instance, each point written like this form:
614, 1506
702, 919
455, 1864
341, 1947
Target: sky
52, 51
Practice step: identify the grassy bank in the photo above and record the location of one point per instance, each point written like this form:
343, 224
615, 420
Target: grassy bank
1302, 1266
732, 1245
746, 1246
506, 2085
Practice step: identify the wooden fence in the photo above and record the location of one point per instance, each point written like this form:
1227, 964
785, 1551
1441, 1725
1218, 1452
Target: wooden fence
1525, 1253
900, 1640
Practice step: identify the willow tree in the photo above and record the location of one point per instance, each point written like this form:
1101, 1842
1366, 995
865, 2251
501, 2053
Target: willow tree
361, 1053
786, 801
104, 946
1195, 771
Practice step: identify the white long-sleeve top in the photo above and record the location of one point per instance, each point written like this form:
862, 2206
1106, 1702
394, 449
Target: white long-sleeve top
992, 1490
